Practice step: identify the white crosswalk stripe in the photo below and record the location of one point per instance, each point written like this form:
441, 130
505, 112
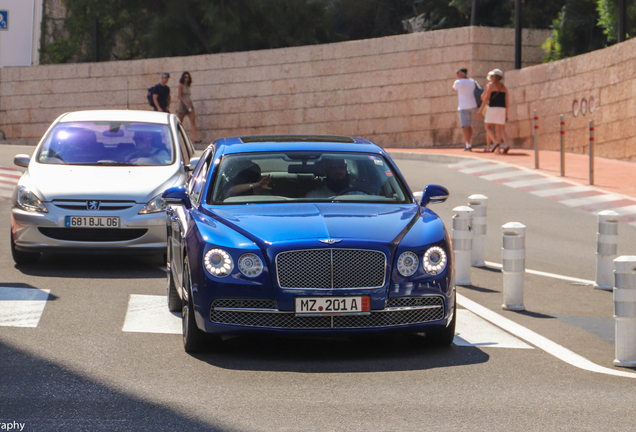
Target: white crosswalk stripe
508, 175
150, 314
22, 307
477, 332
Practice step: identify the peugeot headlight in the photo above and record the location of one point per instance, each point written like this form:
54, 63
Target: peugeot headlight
408, 263
29, 201
157, 204
435, 260
250, 265
218, 262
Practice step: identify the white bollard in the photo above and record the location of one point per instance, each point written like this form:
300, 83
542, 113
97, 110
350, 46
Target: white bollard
462, 243
606, 249
479, 203
625, 311
513, 254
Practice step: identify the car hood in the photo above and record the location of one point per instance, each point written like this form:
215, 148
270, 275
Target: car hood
138, 184
276, 223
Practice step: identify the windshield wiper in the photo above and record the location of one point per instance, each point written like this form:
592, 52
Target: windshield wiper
114, 163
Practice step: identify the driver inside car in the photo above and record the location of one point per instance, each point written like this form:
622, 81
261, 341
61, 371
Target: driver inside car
145, 153
337, 180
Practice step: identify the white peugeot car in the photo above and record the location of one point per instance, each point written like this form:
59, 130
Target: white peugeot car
95, 181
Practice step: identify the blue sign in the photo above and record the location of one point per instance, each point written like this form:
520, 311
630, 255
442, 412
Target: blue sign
4, 20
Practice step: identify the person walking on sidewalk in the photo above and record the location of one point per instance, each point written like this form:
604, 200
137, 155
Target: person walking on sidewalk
186, 107
161, 94
465, 88
496, 98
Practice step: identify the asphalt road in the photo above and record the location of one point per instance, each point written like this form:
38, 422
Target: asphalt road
78, 370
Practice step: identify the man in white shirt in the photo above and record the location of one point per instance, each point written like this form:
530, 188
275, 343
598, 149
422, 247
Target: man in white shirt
465, 89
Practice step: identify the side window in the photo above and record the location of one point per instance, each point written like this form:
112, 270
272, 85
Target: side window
185, 144
199, 179
183, 148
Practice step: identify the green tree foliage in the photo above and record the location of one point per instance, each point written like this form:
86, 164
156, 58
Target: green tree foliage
130, 29
575, 31
608, 19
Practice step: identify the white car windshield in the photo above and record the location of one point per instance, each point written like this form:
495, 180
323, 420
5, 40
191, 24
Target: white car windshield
108, 143
306, 177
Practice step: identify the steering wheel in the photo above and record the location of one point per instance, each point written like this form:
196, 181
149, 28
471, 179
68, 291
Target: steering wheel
355, 189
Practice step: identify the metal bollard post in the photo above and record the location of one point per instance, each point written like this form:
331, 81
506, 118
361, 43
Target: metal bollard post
536, 140
591, 152
606, 249
625, 311
513, 255
479, 204
462, 243
562, 147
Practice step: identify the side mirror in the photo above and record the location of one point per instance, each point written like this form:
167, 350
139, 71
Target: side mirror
434, 194
193, 162
177, 196
22, 160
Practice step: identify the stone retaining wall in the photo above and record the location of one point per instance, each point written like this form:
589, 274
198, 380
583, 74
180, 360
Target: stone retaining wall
606, 76
393, 90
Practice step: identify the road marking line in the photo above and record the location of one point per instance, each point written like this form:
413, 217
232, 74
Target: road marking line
487, 168
550, 275
508, 175
22, 307
559, 191
150, 314
533, 182
477, 332
537, 340
576, 202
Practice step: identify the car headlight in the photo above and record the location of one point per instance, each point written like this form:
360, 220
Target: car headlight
435, 260
157, 204
29, 201
408, 263
250, 265
218, 262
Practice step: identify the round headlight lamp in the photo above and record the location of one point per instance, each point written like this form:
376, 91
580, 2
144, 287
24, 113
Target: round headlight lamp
407, 264
435, 260
218, 262
250, 265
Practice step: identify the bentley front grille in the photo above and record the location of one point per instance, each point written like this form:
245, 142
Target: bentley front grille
331, 268
263, 314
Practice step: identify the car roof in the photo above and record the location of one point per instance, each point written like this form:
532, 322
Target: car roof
116, 115
265, 143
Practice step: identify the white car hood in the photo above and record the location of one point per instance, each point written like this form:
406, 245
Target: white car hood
140, 184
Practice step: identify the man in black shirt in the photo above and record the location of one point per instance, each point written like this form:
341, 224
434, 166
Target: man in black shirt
161, 94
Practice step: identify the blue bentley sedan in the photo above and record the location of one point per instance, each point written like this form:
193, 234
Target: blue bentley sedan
299, 234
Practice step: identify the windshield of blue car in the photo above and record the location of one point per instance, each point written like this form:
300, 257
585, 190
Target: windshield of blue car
306, 177
108, 143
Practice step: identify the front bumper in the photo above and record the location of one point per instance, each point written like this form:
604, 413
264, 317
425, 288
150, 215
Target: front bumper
405, 314
46, 232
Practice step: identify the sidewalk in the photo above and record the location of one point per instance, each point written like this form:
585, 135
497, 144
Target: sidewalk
613, 176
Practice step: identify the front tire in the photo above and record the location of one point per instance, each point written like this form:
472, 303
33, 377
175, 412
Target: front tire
443, 338
20, 257
193, 338
174, 301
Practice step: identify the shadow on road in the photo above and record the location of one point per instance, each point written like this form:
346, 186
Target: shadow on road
49, 397
386, 353
96, 266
